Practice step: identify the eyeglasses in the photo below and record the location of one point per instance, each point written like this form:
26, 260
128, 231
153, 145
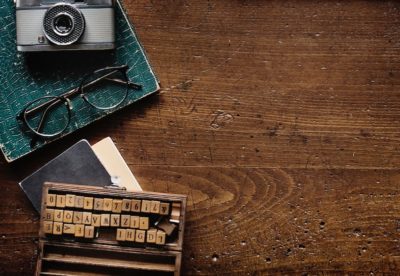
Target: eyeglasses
104, 89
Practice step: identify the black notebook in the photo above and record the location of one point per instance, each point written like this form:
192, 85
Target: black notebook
78, 165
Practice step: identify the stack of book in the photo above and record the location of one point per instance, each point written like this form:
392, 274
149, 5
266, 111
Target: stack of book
98, 165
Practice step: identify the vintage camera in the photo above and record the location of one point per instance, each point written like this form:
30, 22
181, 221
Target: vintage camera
48, 25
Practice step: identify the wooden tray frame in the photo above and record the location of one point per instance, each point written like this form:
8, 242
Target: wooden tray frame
168, 251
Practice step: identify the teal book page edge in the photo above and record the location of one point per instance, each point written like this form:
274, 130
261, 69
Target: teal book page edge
28, 76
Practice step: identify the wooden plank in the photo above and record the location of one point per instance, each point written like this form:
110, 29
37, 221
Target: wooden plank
101, 262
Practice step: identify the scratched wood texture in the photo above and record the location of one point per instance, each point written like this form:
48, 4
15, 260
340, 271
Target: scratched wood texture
279, 119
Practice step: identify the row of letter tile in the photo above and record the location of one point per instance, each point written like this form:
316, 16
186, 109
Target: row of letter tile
97, 220
107, 204
150, 236
59, 228
85, 231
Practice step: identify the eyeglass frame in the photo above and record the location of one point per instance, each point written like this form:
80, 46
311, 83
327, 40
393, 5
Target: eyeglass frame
64, 99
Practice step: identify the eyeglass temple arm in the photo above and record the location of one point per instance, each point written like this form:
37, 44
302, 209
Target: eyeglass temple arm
130, 84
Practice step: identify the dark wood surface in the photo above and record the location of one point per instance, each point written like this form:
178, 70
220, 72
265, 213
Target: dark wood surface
281, 122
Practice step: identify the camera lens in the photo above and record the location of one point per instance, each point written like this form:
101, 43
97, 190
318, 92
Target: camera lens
63, 24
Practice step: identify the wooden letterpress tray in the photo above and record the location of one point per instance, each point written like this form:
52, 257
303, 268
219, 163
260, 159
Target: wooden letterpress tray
86, 230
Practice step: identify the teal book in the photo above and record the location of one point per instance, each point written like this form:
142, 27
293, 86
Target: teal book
25, 77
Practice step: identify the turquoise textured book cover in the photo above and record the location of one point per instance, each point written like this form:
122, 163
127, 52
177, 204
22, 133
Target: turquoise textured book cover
26, 77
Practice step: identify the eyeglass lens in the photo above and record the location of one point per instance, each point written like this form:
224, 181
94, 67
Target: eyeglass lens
105, 89
49, 121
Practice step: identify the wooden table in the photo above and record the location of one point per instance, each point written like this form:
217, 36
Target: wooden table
279, 119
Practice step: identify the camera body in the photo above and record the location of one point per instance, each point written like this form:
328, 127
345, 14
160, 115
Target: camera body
51, 25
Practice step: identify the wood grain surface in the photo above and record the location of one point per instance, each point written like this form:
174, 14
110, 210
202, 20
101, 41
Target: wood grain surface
281, 122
